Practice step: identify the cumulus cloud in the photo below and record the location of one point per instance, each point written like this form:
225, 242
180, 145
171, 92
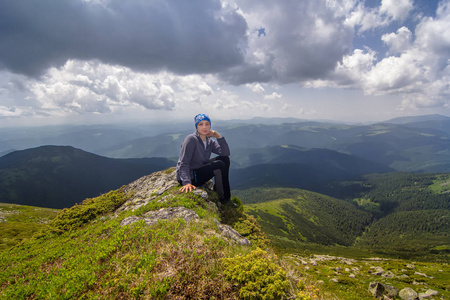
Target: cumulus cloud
397, 9
273, 96
363, 19
256, 88
398, 42
417, 69
92, 87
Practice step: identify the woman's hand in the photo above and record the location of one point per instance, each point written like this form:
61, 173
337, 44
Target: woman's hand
214, 134
187, 188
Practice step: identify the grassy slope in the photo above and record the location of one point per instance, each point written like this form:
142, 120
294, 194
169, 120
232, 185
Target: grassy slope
309, 217
85, 253
19, 222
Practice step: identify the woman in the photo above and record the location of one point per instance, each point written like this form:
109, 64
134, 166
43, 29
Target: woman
195, 168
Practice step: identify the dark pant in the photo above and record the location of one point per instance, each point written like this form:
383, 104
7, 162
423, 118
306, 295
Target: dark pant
218, 167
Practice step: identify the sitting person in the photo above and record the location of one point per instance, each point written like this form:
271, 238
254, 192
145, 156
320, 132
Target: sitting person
195, 168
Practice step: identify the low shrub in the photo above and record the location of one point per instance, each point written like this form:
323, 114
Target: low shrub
257, 274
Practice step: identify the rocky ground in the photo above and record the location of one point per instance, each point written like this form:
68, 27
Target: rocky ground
375, 277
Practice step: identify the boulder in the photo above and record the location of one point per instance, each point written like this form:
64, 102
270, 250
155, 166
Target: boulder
377, 270
380, 290
388, 274
376, 289
228, 232
428, 294
408, 294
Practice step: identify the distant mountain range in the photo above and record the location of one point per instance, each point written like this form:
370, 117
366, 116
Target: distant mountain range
297, 153
60, 176
422, 145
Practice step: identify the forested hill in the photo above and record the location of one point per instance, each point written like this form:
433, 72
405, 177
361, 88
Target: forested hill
400, 214
60, 176
387, 193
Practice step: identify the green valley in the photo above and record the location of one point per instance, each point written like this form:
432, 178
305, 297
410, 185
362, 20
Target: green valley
395, 214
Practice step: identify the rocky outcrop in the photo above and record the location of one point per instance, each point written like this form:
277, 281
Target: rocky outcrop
148, 188
152, 217
151, 188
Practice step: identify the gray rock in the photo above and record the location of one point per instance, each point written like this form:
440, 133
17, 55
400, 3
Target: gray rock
170, 213
423, 274
428, 294
130, 220
377, 271
380, 290
376, 289
408, 294
390, 291
152, 217
148, 188
228, 232
388, 274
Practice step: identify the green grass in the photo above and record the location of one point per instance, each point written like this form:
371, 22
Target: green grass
308, 217
20, 222
441, 184
84, 253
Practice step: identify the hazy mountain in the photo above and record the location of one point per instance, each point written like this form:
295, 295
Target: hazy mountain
86, 137
416, 147
165, 145
415, 119
291, 166
58, 177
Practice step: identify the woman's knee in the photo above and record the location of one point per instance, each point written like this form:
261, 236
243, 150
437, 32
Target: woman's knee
219, 164
224, 159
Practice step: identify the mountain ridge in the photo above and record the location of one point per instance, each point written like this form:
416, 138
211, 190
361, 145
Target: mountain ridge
60, 176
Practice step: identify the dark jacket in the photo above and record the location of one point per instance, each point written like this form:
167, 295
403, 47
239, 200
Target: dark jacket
194, 155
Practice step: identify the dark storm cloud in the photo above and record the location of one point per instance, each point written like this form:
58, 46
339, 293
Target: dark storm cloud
198, 36
301, 40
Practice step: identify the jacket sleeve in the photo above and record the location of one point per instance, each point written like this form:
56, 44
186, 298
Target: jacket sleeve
186, 153
221, 147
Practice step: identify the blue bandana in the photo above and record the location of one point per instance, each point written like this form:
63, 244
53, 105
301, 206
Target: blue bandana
201, 117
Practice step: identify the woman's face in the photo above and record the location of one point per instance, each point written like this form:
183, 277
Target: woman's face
203, 127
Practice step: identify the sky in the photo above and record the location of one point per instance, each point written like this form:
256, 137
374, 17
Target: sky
109, 61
